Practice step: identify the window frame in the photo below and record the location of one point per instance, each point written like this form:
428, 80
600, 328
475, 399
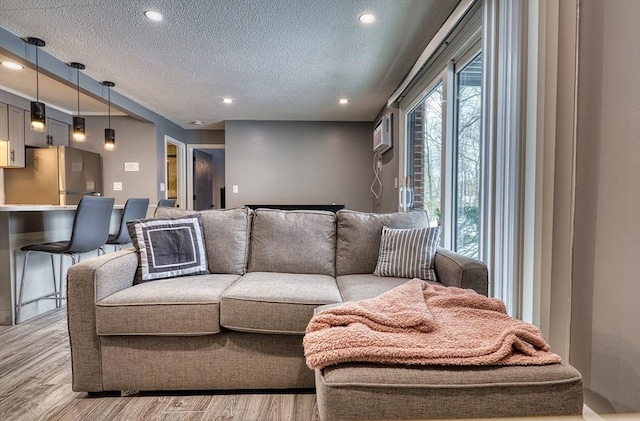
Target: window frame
446, 74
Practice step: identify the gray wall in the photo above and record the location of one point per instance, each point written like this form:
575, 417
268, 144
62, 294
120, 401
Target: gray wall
135, 142
295, 162
205, 136
605, 322
388, 201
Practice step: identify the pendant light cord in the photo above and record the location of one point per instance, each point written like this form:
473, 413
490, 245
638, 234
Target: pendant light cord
78, 88
109, 94
37, 77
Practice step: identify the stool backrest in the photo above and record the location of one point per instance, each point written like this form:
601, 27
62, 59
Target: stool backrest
135, 208
167, 203
91, 224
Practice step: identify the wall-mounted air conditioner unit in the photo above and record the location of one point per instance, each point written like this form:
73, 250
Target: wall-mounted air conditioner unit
382, 135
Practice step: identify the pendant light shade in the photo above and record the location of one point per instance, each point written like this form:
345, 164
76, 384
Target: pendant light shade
79, 134
38, 117
38, 113
109, 133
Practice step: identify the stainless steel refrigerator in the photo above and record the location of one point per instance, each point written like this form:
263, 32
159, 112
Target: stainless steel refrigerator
58, 175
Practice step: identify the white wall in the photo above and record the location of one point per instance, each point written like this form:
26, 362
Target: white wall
605, 322
297, 162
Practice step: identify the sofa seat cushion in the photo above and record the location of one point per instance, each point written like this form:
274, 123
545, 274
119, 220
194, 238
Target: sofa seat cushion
184, 306
277, 303
373, 391
365, 286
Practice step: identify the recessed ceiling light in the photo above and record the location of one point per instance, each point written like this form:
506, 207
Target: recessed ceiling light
367, 18
343, 101
153, 15
12, 65
197, 122
227, 100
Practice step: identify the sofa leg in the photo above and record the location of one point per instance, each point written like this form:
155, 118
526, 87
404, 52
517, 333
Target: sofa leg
125, 393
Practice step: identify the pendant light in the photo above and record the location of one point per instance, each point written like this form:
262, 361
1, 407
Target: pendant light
109, 133
38, 115
79, 134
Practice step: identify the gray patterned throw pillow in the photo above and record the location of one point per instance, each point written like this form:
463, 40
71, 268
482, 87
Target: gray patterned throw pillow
168, 247
408, 253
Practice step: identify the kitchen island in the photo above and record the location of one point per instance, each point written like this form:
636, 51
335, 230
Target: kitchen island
21, 225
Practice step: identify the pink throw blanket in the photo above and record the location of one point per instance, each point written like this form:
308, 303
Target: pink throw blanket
420, 323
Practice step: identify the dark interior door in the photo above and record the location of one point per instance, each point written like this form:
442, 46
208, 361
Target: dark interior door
203, 180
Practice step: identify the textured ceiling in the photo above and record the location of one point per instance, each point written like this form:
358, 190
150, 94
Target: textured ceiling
277, 59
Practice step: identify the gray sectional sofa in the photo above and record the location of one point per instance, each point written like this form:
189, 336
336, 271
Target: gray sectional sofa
242, 325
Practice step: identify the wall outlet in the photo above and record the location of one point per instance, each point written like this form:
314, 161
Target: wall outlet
235, 189
132, 166
161, 186
117, 186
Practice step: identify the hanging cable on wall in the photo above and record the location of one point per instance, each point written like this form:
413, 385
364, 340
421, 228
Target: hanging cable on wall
377, 169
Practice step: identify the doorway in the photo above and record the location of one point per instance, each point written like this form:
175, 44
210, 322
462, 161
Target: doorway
203, 189
206, 172
175, 183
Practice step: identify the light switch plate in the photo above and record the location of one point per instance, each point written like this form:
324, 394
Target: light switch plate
117, 186
161, 186
235, 189
132, 166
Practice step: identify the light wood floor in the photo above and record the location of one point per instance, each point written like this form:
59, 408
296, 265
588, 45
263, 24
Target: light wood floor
35, 384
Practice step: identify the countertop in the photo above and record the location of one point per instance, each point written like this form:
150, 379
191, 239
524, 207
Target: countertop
42, 208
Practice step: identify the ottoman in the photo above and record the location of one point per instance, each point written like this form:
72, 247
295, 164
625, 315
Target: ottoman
362, 391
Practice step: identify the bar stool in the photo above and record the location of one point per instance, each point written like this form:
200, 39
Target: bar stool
167, 203
90, 231
133, 209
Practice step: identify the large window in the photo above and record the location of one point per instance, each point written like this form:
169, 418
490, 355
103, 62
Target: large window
425, 128
468, 122
443, 145
467, 155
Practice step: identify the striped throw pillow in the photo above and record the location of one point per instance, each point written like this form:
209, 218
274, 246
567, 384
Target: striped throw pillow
408, 253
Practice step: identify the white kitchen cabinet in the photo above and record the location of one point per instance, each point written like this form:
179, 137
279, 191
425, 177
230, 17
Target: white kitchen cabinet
12, 132
4, 121
57, 133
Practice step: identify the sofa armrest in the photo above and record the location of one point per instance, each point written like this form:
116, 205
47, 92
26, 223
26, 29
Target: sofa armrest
455, 270
88, 282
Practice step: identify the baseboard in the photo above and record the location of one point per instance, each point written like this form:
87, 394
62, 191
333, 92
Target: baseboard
5, 317
589, 414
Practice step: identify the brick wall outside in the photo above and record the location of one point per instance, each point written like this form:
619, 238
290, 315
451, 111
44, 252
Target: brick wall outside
418, 159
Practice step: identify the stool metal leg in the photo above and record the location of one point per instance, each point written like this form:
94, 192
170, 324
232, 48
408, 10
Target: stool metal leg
20, 294
63, 279
55, 283
59, 296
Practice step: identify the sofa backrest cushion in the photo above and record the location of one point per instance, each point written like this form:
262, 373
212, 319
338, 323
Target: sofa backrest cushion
293, 242
226, 237
358, 241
